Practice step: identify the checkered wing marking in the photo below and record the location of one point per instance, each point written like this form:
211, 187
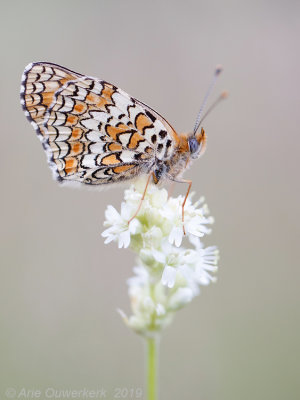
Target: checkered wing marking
89, 139
93, 132
40, 81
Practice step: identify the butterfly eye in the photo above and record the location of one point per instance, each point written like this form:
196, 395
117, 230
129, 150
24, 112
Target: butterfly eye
193, 145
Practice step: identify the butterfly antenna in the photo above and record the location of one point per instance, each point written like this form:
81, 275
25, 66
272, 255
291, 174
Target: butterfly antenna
218, 70
222, 96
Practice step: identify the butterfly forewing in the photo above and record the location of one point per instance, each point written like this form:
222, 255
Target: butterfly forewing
92, 131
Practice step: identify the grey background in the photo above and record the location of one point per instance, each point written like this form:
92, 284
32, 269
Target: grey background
60, 285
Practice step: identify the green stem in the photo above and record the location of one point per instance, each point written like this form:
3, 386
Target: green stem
152, 368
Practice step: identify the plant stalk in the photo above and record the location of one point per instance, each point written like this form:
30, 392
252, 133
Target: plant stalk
152, 355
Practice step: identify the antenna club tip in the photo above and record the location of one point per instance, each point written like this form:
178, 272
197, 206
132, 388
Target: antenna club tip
225, 94
219, 69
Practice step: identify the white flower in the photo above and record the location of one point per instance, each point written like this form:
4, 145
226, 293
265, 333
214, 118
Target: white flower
119, 228
195, 219
168, 275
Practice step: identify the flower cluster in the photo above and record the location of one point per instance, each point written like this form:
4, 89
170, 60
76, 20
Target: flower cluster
168, 275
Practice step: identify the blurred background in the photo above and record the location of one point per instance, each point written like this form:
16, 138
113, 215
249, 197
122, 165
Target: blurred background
61, 286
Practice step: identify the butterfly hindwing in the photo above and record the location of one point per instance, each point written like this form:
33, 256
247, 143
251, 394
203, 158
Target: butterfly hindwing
87, 139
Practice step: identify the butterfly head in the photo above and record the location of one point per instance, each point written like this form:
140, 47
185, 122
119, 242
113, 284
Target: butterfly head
197, 144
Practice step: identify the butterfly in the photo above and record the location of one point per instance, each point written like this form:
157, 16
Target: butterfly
95, 134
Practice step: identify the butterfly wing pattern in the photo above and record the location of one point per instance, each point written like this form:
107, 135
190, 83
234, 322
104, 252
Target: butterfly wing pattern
93, 132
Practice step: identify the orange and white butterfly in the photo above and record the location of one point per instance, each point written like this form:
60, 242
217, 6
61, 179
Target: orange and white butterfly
96, 134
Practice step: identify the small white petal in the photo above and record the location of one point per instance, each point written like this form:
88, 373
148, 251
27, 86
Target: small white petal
134, 226
168, 276
187, 272
107, 232
195, 241
109, 239
159, 256
204, 280
126, 211
124, 239
111, 213
195, 230
211, 250
176, 236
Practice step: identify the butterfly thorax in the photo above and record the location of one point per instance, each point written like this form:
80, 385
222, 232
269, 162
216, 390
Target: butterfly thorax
188, 148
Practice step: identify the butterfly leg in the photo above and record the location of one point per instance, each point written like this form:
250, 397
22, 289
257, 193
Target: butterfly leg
184, 201
189, 182
142, 199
